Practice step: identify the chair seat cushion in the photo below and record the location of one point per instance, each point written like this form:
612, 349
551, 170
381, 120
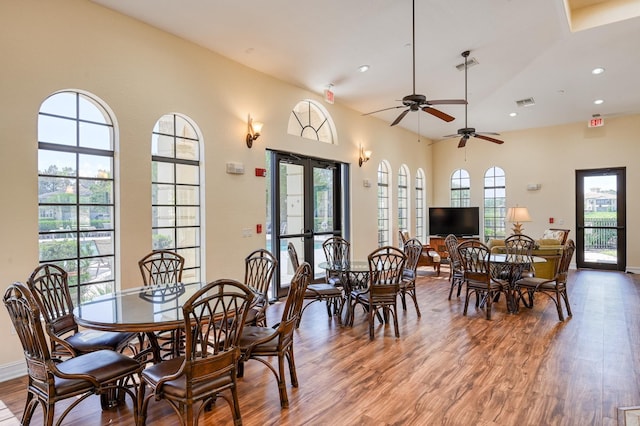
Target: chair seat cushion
536, 282
105, 365
177, 388
91, 340
325, 290
267, 335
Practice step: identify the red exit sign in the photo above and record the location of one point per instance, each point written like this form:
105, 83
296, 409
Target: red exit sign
596, 122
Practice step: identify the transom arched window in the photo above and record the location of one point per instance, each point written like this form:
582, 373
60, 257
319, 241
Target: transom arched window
383, 204
494, 203
310, 120
460, 188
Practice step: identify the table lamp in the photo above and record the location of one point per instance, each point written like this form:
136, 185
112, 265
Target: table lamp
517, 215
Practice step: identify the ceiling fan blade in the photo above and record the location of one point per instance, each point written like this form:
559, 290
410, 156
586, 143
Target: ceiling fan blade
451, 136
384, 109
400, 117
488, 133
487, 138
463, 141
437, 113
447, 102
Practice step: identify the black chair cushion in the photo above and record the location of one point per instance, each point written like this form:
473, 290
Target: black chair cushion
105, 365
251, 334
177, 388
326, 290
90, 340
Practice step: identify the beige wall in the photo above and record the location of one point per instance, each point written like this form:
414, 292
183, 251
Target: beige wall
548, 156
143, 73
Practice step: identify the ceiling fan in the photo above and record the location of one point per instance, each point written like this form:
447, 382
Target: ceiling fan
466, 132
414, 102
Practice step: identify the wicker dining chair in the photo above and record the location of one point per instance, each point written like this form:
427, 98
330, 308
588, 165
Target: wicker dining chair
317, 292
163, 268
259, 343
49, 286
478, 275
386, 265
259, 268
214, 316
412, 249
51, 380
337, 250
456, 272
555, 288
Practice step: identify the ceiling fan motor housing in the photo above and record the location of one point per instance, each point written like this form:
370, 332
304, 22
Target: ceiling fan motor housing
414, 99
466, 130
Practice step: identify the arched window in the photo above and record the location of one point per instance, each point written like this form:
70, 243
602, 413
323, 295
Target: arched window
494, 203
76, 191
383, 204
460, 188
420, 222
310, 120
403, 198
175, 191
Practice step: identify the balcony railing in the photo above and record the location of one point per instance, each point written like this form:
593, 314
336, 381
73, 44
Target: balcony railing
600, 234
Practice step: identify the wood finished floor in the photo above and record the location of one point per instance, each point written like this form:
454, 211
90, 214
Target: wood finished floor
446, 369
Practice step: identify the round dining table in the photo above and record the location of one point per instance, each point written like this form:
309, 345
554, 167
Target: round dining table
354, 275
512, 266
144, 310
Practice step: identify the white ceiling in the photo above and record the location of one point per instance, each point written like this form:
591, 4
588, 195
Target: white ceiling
524, 49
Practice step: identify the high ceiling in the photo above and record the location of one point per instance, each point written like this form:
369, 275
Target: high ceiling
524, 49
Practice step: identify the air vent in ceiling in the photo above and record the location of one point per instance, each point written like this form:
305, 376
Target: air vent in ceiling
526, 102
470, 63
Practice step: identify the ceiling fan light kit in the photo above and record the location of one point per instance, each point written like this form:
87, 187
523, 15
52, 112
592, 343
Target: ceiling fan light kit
414, 101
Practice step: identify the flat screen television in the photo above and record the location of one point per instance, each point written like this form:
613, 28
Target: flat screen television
459, 221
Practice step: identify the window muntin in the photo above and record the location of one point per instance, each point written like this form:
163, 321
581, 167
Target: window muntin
460, 189
383, 204
420, 219
310, 121
175, 191
494, 203
76, 192
403, 198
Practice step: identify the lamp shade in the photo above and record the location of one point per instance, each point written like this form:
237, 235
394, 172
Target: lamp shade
518, 215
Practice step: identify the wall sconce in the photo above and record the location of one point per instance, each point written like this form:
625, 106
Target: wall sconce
364, 156
517, 215
253, 131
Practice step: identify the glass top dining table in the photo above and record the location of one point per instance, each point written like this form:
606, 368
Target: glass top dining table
141, 309
355, 274
512, 266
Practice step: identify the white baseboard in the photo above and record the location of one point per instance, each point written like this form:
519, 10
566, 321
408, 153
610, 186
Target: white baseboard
12, 370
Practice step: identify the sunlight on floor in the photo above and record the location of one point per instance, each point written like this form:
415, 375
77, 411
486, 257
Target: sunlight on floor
7, 418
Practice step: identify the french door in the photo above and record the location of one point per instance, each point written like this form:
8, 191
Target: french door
307, 207
601, 219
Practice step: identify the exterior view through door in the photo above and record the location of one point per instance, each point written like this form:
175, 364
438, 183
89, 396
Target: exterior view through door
306, 206
601, 218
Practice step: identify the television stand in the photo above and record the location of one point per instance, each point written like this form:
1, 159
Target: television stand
437, 243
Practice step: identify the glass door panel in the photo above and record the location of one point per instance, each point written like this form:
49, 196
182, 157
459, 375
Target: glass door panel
306, 209
600, 213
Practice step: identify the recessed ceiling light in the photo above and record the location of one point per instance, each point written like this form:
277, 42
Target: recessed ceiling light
363, 68
513, 114
598, 101
597, 71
